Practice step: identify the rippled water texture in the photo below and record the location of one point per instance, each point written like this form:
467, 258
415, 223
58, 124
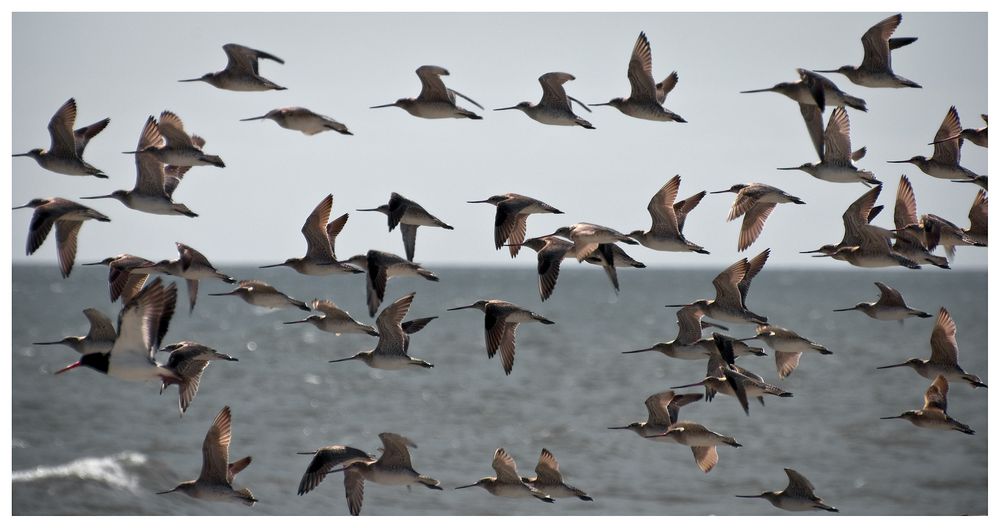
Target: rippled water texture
103, 446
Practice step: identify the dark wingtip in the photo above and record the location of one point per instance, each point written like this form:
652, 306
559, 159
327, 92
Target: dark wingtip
586, 498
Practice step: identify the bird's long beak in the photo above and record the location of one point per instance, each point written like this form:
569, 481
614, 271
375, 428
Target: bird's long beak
811, 251
637, 351
383, 106
787, 168
190, 80
689, 385
750, 496
478, 201
165, 492
846, 309
96, 197
272, 265
342, 359
61, 341
720, 192
826, 71
374, 209
890, 417
468, 486
600, 104
130, 152
619, 427
19, 155
674, 305
25, 206
759, 91
93, 264
69, 367
899, 161
505, 108
254, 118
297, 322
221, 294
892, 366
461, 308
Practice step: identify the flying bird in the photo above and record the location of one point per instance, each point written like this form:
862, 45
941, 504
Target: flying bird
67, 217
304, 120
65, 154
241, 73
647, 96
555, 107
875, 70
435, 100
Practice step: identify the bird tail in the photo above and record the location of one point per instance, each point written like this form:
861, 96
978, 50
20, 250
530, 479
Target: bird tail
855, 102
429, 482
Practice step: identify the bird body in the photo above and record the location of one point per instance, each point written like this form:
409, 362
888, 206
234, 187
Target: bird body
393, 468
934, 414
321, 241
393, 342
647, 96
875, 70
555, 107
259, 293
335, 320
511, 221
304, 120
549, 480
179, 148
100, 338
507, 483
65, 154
890, 306
242, 71
834, 149
587, 237
502, 319
944, 355
797, 496
435, 100
380, 267
731, 288
813, 89
945, 162
665, 232
67, 217
215, 483
408, 215
754, 202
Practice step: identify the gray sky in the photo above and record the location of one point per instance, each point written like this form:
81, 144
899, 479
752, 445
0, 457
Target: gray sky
125, 66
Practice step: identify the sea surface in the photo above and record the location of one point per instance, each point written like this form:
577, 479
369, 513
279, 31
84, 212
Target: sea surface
87, 444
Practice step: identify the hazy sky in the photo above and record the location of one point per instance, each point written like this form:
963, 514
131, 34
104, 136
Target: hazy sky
125, 66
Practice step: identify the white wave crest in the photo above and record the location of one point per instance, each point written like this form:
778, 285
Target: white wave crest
111, 470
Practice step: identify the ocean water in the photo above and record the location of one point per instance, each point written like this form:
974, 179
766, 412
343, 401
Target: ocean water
87, 444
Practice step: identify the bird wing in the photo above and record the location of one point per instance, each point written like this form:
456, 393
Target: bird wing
41, 223
507, 341
328, 308
333, 229
979, 214
215, 450
944, 345
706, 457
661, 208
553, 93
144, 320
664, 87
354, 488
83, 135
656, 405
66, 233
172, 176
190, 371
494, 331
547, 469
172, 129
377, 278
753, 268
837, 138
505, 467
61, 131
395, 453
680, 400
813, 118
948, 152
242, 58
876, 44
727, 283
905, 212
432, 88
325, 460
101, 327
936, 396
149, 170
516, 236
397, 208
743, 202
797, 484
640, 72
409, 232
889, 296
786, 362
391, 338
753, 224
688, 324
314, 230
190, 256
685, 206
857, 214
549, 260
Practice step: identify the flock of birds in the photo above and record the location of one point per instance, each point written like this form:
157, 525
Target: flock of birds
166, 152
